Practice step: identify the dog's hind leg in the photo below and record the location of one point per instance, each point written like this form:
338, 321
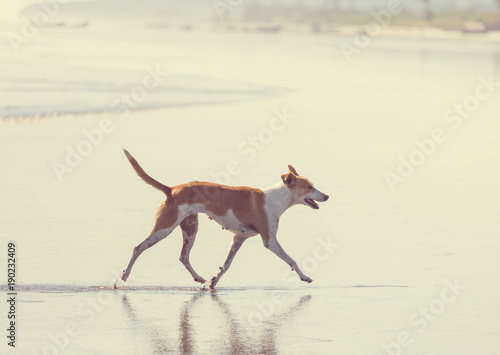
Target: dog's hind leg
168, 218
235, 246
189, 228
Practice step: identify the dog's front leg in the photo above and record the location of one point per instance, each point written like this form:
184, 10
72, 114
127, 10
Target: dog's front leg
276, 248
233, 249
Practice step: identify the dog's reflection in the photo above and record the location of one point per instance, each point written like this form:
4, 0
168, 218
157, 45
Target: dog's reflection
236, 333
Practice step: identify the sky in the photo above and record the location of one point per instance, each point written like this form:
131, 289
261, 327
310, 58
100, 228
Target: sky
10, 9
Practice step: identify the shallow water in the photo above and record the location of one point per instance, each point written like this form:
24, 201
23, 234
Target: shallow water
376, 256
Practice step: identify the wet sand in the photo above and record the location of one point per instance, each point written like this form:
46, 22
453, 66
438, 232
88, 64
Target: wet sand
409, 271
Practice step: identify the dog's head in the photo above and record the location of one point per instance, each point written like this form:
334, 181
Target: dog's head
303, 190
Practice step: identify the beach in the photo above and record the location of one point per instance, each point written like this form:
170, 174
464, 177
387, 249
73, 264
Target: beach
403, 136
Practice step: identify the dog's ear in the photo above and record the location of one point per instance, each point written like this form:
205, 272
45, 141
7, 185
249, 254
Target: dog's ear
288, 179
292, 170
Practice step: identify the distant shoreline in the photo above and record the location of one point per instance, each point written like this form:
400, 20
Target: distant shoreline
402, 32
390, 31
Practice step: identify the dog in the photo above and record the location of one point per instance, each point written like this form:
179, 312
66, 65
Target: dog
244, 211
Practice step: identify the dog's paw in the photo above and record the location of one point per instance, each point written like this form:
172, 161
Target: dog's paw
306, 279
213, 282
200, 280
124, 277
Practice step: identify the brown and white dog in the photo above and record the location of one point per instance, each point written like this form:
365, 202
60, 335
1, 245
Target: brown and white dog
244, 211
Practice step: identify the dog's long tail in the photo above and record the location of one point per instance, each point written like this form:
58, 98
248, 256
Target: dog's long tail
144, 176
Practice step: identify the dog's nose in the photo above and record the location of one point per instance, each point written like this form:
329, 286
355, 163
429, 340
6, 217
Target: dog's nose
327, 197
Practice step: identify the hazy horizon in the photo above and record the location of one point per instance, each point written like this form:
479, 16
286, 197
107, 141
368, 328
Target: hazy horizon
11, 11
